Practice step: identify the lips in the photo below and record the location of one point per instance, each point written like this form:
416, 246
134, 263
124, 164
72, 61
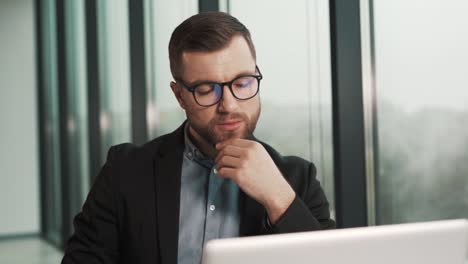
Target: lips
230, 125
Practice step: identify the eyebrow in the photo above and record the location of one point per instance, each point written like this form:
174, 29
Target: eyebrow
197, 82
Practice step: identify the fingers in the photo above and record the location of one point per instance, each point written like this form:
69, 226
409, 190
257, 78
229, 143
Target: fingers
234, 147
233, 157
229, 173
229, 150
228, 161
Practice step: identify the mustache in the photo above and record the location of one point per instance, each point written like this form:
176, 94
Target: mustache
229, 117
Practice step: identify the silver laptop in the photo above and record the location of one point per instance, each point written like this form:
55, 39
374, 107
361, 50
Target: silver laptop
440, 242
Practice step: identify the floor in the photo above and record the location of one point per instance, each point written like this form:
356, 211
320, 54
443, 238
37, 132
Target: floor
28, 251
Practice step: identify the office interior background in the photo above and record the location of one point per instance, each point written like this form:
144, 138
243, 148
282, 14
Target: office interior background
374, 92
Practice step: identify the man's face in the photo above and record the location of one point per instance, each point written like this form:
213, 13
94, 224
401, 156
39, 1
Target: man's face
230, 118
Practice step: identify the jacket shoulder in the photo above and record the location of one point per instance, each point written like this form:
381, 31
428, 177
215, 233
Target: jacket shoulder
125, 151
290, 162
299, 172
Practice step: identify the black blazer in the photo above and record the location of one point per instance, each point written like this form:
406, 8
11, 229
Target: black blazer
131, 214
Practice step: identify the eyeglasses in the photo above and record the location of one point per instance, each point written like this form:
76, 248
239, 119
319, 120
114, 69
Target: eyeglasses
243, 87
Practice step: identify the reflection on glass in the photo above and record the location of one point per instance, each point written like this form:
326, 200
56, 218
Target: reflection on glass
114, 70
77, 132
421, 79
51, 145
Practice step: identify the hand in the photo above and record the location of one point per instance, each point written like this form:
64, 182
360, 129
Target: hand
250, 166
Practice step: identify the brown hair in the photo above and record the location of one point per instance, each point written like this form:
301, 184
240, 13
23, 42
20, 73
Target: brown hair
208, 31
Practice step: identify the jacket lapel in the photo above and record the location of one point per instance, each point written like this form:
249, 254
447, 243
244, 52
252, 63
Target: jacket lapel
167, 168
168, 164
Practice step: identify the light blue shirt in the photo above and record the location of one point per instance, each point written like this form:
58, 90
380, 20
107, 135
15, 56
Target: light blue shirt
209, 206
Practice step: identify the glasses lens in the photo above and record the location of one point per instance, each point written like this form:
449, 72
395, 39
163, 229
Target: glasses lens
207, 93
245, 87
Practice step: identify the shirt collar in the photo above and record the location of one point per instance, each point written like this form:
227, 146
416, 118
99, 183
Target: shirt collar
192, 152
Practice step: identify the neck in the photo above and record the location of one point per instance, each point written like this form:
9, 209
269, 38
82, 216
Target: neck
204, 146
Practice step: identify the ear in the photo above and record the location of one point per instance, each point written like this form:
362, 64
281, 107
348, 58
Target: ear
178, 94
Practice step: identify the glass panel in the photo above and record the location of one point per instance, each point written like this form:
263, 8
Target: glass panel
114, 71
306, 110
77, 133
51, 151
294, 56
163, 112
421, 80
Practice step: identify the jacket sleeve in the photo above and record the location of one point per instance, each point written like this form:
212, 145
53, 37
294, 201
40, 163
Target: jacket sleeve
309, 210
95, 238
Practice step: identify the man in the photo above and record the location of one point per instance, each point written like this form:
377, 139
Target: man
161, 202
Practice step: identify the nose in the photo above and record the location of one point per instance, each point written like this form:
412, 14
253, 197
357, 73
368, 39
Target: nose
228, 102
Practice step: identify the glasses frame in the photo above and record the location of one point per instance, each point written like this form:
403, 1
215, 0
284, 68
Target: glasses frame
192, 88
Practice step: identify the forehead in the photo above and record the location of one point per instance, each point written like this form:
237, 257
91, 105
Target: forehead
222, 65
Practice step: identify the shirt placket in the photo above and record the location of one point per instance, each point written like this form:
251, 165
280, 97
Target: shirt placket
212, 210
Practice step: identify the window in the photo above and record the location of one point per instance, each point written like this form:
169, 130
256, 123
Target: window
51, 129
421, 80
114, 79
77, 176
163, 111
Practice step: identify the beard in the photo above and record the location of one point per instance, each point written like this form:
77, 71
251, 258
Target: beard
213, 136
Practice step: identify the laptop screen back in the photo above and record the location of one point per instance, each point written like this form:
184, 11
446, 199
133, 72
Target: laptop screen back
428, 243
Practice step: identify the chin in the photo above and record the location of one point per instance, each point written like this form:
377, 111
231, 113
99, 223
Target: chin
222, 136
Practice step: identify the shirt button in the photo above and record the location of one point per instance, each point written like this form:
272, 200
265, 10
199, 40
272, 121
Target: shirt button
190, 154
212, 207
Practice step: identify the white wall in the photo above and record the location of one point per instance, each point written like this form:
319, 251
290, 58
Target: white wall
19, 178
